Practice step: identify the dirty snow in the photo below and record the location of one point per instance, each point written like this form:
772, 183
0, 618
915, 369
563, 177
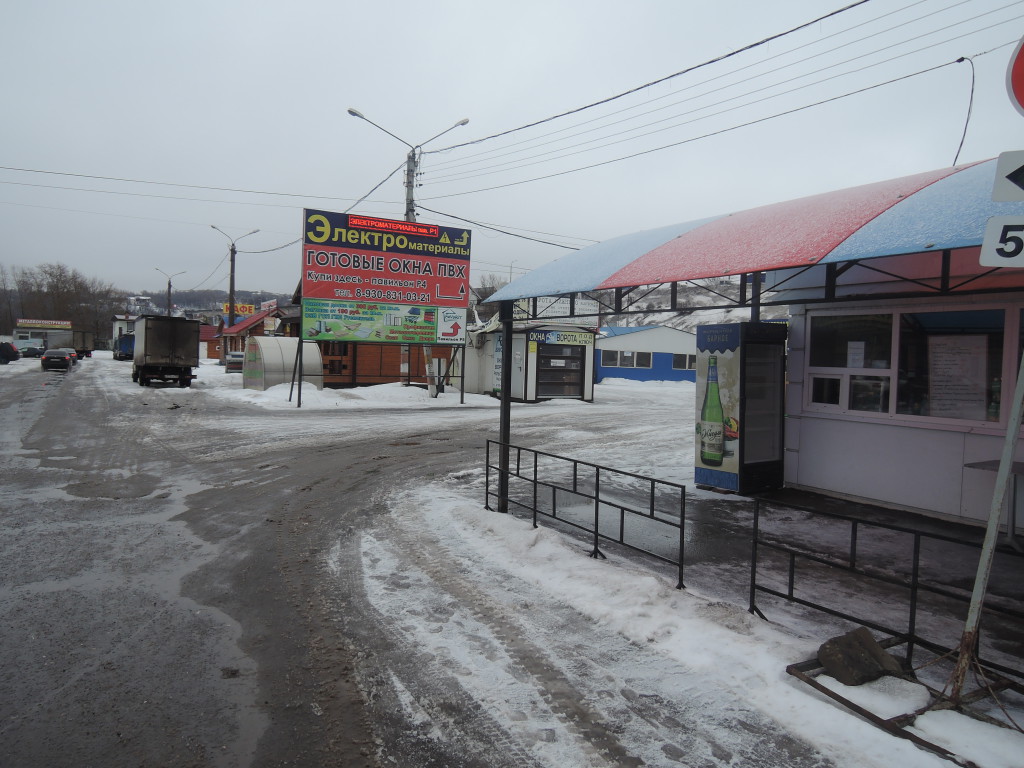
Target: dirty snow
714, 640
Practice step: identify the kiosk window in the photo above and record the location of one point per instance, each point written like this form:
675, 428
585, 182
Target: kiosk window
944, 365
851, 341
950, 364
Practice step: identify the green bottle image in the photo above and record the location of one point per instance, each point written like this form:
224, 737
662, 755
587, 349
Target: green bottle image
712, 429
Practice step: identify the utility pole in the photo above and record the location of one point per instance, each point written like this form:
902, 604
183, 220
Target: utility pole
168, 286
231, 278
412, 163
412, 160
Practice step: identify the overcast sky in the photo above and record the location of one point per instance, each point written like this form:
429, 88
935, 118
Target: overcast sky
233, 113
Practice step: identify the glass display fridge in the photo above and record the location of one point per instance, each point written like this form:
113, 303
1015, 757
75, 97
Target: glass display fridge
740, 407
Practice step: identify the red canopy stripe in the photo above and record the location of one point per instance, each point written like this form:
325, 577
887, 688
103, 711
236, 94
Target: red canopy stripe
788, 234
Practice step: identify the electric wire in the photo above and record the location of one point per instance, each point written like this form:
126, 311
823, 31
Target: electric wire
232, 189
467, 160
970, 106
278, 248
495, 229
698, 138
172, 184
145, 194
566, 153
693, 68
379, 185
205, 279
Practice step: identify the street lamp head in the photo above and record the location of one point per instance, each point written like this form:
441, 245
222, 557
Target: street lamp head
463, 121
355, 113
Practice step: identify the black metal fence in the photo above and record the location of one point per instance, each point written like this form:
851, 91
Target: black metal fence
881, 576
909, 583
638, 512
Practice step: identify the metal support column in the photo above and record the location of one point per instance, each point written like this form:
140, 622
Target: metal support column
505, 422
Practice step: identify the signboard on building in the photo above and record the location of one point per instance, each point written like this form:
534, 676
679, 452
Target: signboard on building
383, 280
48, 325
240, 309
568, 338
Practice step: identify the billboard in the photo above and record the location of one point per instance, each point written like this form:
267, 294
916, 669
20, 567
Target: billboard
383, 280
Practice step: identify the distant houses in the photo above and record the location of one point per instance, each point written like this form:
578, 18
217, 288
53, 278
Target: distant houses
646, 353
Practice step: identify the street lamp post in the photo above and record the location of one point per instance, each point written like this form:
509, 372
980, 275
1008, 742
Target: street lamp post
412, 160
231, 279
168, 286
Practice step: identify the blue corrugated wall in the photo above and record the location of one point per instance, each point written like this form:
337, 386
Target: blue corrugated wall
661, 370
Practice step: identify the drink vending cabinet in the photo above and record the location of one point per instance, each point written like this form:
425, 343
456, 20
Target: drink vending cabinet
739, 415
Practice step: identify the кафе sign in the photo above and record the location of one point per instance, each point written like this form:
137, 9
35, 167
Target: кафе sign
383, 280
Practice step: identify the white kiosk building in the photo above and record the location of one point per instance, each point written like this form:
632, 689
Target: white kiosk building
903, 348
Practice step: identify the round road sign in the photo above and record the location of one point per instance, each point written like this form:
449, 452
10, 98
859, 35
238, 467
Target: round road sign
1015, 77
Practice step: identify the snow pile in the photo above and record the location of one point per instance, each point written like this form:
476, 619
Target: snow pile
711, 639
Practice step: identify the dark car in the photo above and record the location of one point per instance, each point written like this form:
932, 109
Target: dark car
56, 359
32, 351
8, 352
71, 353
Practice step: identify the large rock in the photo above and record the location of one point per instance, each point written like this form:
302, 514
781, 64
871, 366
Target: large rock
856, 658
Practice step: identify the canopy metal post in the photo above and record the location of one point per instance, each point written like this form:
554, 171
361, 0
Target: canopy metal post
505, 423
755, 297
969, 640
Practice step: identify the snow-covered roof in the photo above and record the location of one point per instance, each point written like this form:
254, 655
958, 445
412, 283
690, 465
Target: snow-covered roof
946, 209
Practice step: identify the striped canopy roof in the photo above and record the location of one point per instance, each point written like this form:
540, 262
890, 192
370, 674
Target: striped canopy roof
933, 211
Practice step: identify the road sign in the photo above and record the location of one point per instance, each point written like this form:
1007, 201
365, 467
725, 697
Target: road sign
1009, 182
1015, 77
1004, 242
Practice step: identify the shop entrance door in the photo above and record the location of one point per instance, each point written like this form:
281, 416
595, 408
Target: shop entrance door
560, 370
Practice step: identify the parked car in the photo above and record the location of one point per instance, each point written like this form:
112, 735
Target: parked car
56, 359
32, 351
8, 352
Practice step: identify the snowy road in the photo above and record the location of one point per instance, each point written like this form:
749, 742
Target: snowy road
212, 577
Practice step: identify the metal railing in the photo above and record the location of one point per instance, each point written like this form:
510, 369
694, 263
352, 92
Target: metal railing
640, 513
890, 566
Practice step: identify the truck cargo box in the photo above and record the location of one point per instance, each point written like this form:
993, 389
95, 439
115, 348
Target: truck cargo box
166, 349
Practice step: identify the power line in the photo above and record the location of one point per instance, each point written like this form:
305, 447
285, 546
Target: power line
278, 248
171, 184
761, 73
693, 68
495, 229
565, 151
697, 138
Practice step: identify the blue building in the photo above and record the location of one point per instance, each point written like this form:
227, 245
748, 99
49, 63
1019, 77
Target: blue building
646, 353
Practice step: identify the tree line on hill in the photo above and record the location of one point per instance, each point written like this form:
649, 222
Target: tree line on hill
58, 292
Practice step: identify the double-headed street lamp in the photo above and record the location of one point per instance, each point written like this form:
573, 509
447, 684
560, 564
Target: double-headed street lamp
231, 279
412, 160
168, 286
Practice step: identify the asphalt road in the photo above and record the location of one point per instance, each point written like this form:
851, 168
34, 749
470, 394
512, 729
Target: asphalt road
188, 583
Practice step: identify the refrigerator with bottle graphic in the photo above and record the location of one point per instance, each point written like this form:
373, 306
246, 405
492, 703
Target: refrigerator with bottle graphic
739, 411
